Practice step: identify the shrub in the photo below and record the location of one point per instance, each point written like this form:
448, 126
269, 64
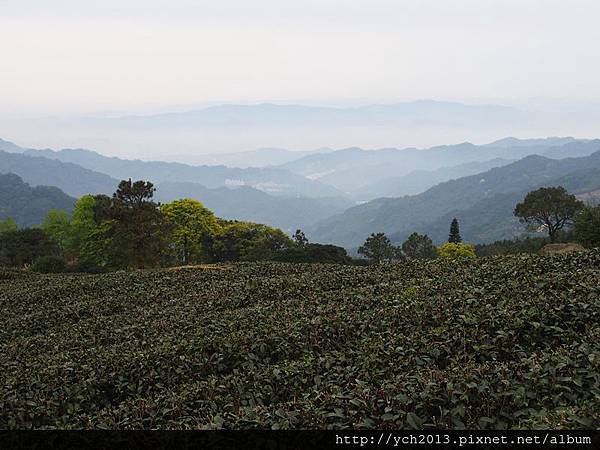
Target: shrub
587, 227
87, 266
49, 264
453, 250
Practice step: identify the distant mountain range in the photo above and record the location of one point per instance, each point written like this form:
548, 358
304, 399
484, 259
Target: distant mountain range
359, 172
341, 196
245, 203
70, 178
231, 202
29, 205
262, 157
483, 203
230, 128
271, 180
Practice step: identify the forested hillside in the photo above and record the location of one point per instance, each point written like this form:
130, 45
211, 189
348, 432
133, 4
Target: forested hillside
271, 180
485, 199
28, 205
70, 178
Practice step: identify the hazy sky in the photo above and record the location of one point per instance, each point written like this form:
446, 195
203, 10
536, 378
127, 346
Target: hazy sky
81, 56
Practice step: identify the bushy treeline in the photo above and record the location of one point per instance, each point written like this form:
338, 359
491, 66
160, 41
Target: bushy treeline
131, 230
584, 230
378, 247
551, 209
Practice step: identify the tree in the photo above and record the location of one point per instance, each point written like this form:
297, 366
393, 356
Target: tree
552, 208
300, 238
247, 241
453, 250
136, 194
7, 225
454, 236
587, 227
191, 224
378, 248
419, 246
313, 253
57, 225
82, 221
25, 246
138, 223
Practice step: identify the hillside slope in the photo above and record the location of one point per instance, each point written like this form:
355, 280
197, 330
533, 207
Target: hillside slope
246, 203
353, 170
271, 180
509, 342
70, 178
242, 203
29, 205
476, 194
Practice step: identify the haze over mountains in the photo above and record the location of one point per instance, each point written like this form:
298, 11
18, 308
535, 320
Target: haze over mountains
341, 196
222, 134
483, 203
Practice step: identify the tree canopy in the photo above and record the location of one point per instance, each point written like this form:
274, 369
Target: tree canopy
552, 208
419, 246
378, 248
453, 250
191, 224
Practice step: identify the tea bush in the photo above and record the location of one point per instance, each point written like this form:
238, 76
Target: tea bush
502, 342
49, 264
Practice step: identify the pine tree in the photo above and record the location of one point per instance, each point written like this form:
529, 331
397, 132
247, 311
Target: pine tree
454, 235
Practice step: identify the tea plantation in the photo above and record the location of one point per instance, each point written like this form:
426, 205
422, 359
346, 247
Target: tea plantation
506, 342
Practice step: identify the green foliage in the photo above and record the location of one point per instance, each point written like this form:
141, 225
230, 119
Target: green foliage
552, 208
82, 221
246, 241
587, 227
86, 266
451, 250
134, 233
523, 245
57, 225
506, 342
378, 248
7, 225
419, 246
21, 247
49, 264
191, 224
454, 235
313, 253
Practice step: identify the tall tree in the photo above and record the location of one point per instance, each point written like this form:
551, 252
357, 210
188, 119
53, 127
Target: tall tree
139, 222
419, 246
454, 236
191, 223
552, 208
378, 248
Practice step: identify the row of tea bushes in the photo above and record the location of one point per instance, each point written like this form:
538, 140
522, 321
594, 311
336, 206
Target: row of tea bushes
503, 342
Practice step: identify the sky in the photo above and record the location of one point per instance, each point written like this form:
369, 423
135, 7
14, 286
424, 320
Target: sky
84, 57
